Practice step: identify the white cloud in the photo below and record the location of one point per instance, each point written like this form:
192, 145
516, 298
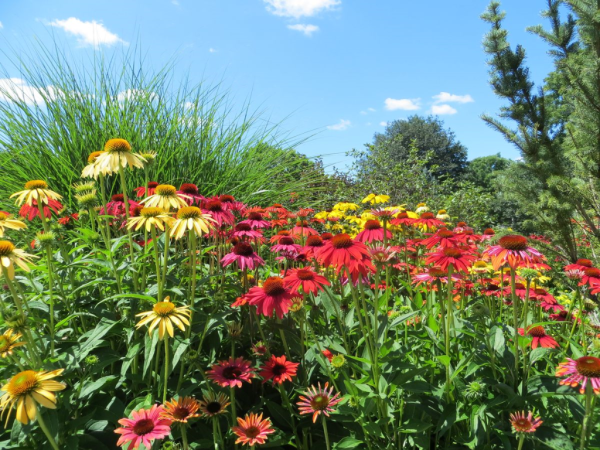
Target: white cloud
300, 8
443, 110
383, 124
367, 111
212, 50
341, 126
307, 29
446, 97
88, 33
17, 88
1, 26
406, 104
132, 94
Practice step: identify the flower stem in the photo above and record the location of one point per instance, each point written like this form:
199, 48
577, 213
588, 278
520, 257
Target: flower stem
129, 234
521, 441
45, 429
233, 411
589, 394
325, 432
516, 321
157, 265
166, 369
51, 298
184, 437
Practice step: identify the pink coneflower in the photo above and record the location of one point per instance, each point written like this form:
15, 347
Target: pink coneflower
271, 297
580, 264
30, 211
581, 371
456, 257
116, 206
442, 237
278, 369
280, 234
343, 251
547, 300
305, 278
243, 230
514, 251
312, 247
231, 373
190, 191
244, 255
252, 430
432, 275
540, 338
286, 244
488, 234
373, 231
255, 219
522, 423
303, 229
317, 401
382, 255
144, 427
221, 215
150, 189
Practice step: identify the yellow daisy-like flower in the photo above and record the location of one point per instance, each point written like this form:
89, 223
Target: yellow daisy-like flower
150, 217
166, 197
89, 171
322, 215
337, 213
412, 214
367, 215
345, 206
10, 255
35, 190
481, 267
375, 199
443, 215
117, 154
7, 222
8, 342
421, 208
164, 314
191, 218
28, 389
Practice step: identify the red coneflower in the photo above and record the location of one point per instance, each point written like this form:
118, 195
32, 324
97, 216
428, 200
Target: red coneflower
278, 369
373, 231
432, 275
547, 300
255, 218
343, 251
442, 237
317, 400
305, 278
590, 276
312, 246
327, 353
191, 193
304, 229
144, 427
231, 373
30, 211
252, 430
514, 251
221, 215
67, 220
580, 264
456, 257
116, 206
402, 219
540, 338
244, 255
150, 189
581, 371
427, 219
522, 423
243, 230
271, 297
286, 244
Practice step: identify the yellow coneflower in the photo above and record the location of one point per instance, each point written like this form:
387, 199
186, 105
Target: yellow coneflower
166, 197
443, 215
191, 218
35, 190
164, 314
117, 154
7, 222
375, 199
214, 404
89, 171
181, 410
27, 389
421, 208
10, 255
8, 342
481, 267
150, 217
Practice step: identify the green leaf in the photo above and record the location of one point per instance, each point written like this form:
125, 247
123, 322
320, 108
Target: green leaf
94, 338
98, 385
150, 345
348, 442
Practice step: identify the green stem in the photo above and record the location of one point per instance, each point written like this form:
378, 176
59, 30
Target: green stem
165, 256
157, 264
184, 437
129, 233
45, 429
589, 394
233, 410
521, 441
449, 321
325, 431
166, 369
515, 321
51, 299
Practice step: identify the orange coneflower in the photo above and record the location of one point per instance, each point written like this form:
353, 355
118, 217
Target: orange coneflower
317, 400
278, 369
214, 404
181, 410
522, 423
581, 371
252, 430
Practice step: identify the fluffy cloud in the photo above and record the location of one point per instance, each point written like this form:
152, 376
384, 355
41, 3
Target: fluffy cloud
446, 97
383, 124
17, 88
88, 33
341, 126
405, 104
300, 8
307, 29
443, 110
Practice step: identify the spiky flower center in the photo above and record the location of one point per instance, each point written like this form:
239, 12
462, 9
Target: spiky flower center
513, 242
273, 286
279, 369
427, 215
283, 233
232, 372
286, 240
437, 272
305, 274
151, 212
536, 332
372, 225
189, 188
163, 309
592, 272
584, 262
227, 198
22, 383
214, 407
252, 432
489, 232
93, 156
314, 241
340, 241
117, 146
6, 248
255, 216
118, 198
540, 291
189, 212
243, 227
36, 184
319, 402
522, 424
181, 413
452, 252
243, 249
143, 427
445, 233
327, 236
402, 215
152, 184
166, 190
588, 366
214, 206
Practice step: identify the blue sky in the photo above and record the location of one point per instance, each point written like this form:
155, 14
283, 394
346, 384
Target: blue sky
337, 68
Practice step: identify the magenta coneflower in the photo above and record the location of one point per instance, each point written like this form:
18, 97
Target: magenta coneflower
191, 193
514, 251
252, 430
540, 338
271, 297
149, 189
144, 427
286, 244
278, 369
116, 206
317, 400
221, 215
243, 231
305, 278
255, 219
581, 371
522, 423
432, 275
373, 231
456, 257
244, 255
231, 373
